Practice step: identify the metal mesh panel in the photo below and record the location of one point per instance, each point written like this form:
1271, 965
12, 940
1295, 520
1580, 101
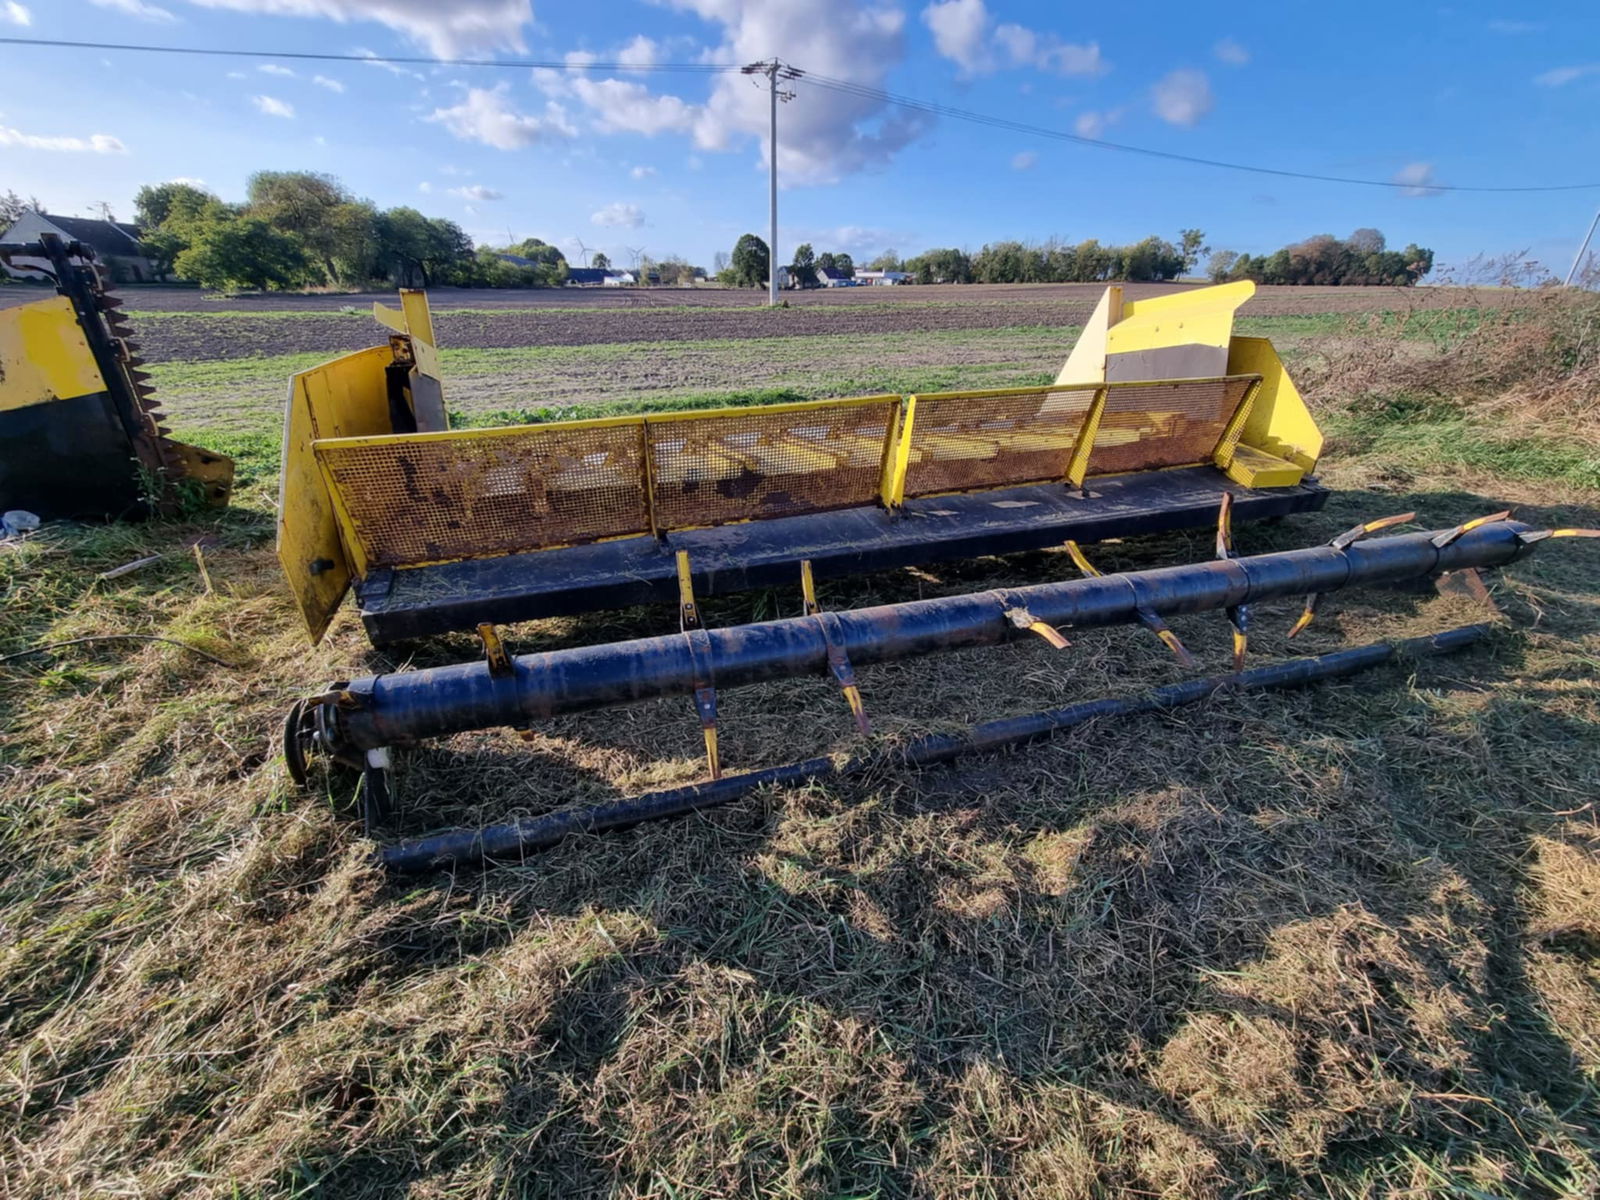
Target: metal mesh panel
428, 500
710, 470
961, 442
1164, 424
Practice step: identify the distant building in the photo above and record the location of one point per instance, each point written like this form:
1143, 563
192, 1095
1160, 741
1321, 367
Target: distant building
586, 276
883, 278
832, 277
115, 243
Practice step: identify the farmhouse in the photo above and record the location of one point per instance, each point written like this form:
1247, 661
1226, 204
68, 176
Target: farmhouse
115, 243
883, 278
831, 277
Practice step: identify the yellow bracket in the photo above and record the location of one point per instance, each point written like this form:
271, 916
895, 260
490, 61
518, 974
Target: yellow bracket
808, 589
713, 759
1450, 535
494, 651
688, 610
1023, 619
1083, 564
1083, 448
897, 454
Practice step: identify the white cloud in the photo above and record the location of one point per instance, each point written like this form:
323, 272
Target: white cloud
425, 187
1047, 52
191, 180
333, 85
487, 116
393, 68
961, 32
643, 172
1231, 52
641, 52
273, 107
825, 134
231, 74
95, 143
619, 216
1418, 178
137, 8
1093, 123
448, 28
1561, 76
1512, 28
13, 13
1183, 97
476, 191
274, 69
624, 106
1026, 160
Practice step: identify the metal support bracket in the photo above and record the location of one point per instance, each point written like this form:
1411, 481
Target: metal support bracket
838, 660
688, 610
705, 695
1353, 535
1239, 615
1532, 537
1144, 613
1441, 540
375, 805
494, 652
1023, 619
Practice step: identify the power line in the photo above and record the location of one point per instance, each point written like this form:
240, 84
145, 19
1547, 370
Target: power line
1040, 131
838, 85
396, 59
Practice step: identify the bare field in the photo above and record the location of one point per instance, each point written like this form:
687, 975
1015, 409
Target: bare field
1340, 942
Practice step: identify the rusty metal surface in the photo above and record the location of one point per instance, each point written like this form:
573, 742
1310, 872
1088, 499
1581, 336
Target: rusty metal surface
1164, 424
965, 442
437, 499
778, 463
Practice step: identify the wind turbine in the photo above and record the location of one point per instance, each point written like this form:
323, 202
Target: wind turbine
582, 249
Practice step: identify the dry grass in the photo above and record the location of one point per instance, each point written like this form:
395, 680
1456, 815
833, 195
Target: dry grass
1343, 941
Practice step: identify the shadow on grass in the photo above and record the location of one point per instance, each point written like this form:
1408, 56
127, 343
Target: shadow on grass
1335, 878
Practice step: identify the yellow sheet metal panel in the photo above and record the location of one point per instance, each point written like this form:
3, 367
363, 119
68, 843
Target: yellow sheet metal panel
1183, 335
44, 355
1087, 361
412, 499
1257, 469
343, 398
1280, 423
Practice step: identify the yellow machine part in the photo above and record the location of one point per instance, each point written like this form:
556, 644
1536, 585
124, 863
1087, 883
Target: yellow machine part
45, 354
358, 497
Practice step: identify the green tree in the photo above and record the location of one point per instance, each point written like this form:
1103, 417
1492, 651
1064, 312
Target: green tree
1221, 267
228, 252
600, 261
302, 203
158, 205
845, 265
750, 262
803, 270
889, 260
827, 261
1192, 247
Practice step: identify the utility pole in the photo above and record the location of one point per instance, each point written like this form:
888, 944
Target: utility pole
1573, 270
773, 70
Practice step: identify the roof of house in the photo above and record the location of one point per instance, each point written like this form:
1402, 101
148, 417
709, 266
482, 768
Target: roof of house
831, 273
105, 237
587, 274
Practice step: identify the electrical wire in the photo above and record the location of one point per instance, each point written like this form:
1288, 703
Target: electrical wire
879, 95
394, 59
843, 86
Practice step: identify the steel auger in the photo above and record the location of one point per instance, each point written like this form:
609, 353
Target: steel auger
357, 722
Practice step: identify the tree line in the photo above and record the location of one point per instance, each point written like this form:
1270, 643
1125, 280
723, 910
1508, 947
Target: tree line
1152, 259
300, 229
1362, 259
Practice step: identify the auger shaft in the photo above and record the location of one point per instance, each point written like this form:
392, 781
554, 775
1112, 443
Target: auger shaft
385, 710
514, 839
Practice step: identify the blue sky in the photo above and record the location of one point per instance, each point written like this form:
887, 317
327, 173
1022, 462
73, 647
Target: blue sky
674, 162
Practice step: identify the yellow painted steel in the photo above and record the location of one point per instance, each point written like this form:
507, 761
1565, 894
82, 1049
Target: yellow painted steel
897, 455
1280, 424
1083, 448
347, 397
44, 355
1228, 443
1203, 317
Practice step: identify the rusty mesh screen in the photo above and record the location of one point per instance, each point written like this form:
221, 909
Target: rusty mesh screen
711, 470
961, 442
426, 500
1164, 424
